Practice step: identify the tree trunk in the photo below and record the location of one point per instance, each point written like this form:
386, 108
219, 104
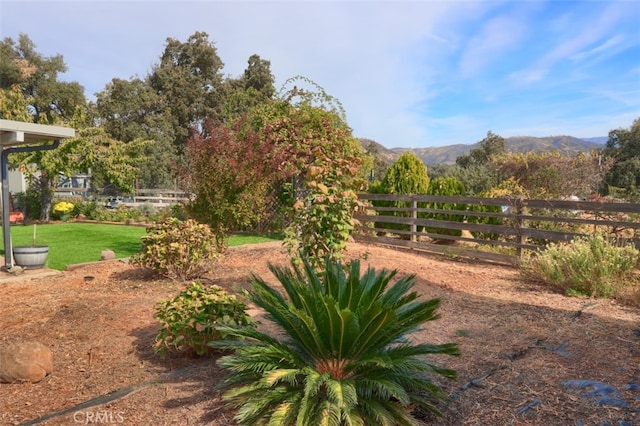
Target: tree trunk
45, 185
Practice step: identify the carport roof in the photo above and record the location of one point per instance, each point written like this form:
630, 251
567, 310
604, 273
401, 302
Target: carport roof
14, 133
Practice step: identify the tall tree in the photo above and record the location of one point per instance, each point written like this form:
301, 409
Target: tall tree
188, 80
491, 145
130, 110
474, 169
92, 149
13, 104
258, 76
48, 101
51, 101
254, 86
623, 147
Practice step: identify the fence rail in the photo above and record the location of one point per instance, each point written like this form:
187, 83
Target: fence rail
495, 229
156, 197
159, 197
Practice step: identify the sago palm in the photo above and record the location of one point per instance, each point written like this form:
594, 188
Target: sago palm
342, 355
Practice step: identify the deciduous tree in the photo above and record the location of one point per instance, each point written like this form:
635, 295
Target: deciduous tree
130, 110
50, 101
230, 170
92, 149
623, 147
289, 145
490, 146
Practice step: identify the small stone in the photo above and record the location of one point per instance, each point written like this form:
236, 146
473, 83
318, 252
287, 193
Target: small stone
107, 255
15, 270
25, 362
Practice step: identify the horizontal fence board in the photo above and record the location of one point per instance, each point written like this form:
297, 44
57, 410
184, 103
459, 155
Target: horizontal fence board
522, 220
168, 192
441, 224
440, 199
158, 199
591, 206
577, 220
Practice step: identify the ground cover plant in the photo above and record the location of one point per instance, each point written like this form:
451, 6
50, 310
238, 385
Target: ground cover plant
189, 320
72, 243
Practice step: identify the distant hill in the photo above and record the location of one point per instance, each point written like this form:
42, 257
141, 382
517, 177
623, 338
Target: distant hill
448, 154
600, 139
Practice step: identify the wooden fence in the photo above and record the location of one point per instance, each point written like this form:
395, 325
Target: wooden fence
155, 197
493, 229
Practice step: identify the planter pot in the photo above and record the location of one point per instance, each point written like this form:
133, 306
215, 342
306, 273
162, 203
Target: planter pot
30, 257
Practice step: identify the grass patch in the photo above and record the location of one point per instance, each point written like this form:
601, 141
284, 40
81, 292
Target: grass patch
72, 243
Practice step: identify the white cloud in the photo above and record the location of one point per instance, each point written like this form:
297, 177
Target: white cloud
497, 38
603, 48
409, 73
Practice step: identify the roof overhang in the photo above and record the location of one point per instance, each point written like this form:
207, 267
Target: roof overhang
14, 133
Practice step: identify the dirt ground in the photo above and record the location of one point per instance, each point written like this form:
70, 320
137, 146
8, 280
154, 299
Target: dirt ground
529, 356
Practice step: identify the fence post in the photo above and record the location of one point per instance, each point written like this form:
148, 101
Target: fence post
519, 226
414, 216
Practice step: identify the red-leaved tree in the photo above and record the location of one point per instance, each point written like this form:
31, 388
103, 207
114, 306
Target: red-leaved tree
230, 172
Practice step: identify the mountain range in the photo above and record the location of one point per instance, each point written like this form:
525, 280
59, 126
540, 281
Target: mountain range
568, 145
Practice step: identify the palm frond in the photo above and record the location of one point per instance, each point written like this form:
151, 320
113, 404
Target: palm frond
346, 357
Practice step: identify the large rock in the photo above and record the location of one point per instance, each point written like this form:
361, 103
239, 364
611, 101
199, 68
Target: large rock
25, 362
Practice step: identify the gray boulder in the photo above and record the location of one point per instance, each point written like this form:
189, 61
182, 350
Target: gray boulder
107, 255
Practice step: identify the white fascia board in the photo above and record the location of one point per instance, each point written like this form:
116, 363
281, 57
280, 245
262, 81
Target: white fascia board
19, 133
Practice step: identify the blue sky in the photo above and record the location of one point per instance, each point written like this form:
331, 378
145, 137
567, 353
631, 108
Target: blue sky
408, 73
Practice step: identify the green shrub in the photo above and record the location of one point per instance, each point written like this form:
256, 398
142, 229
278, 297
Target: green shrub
484, 220
29, 202
593, 266
408, 175
343, 353
445, 186
177, 249
189, 320
176, 211
148, 210
87, 209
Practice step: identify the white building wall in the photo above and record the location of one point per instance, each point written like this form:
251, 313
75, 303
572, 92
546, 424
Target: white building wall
17, 182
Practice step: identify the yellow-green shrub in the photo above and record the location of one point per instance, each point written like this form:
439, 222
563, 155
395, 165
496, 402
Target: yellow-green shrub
593, 266
178, 249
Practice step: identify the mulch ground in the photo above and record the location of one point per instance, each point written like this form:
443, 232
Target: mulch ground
529, 356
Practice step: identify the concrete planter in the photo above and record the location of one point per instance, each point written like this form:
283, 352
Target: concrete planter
31, 257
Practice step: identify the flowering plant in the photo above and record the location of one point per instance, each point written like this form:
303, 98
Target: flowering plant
62, 209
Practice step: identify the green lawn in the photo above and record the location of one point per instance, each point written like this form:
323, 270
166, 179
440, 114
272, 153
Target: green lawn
71, 243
